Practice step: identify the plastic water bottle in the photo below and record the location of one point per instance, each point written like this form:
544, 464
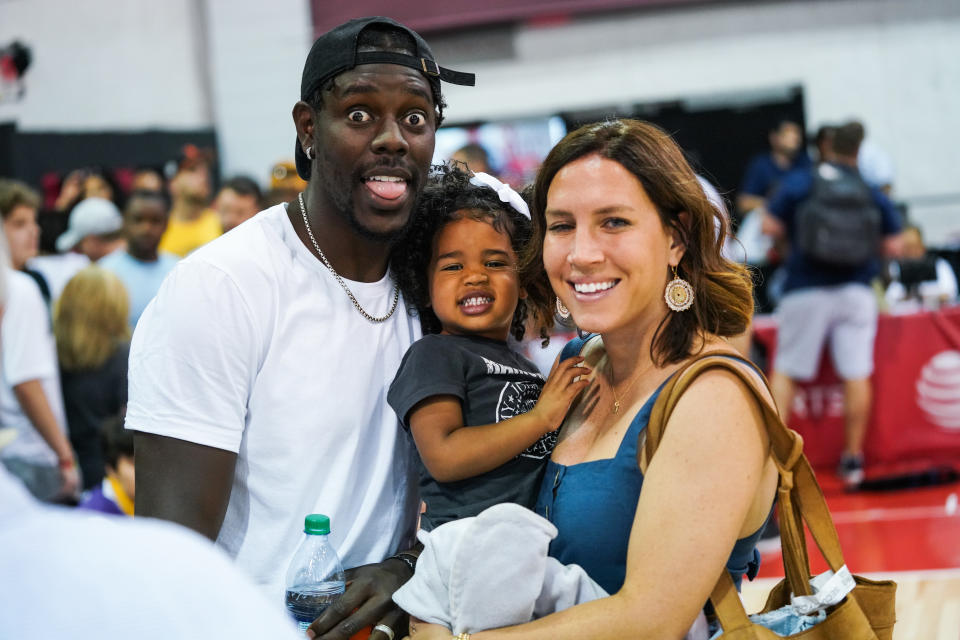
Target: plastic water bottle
315, 576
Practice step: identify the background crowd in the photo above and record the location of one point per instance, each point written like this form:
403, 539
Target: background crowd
98, 254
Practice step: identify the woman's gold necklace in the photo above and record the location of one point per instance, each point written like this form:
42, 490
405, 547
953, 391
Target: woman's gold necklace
613, 387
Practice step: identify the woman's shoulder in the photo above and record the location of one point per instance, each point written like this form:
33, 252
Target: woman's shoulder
720, 352
724, 401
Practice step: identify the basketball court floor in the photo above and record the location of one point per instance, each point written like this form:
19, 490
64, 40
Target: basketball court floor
908, 535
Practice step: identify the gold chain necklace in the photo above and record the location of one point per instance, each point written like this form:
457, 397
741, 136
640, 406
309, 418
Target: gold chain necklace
353, 298
613, 387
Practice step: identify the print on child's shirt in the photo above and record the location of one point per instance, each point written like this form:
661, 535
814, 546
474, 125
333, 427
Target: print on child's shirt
520, 397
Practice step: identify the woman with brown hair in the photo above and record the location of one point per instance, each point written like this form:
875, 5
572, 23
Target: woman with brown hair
93, 342
630, 245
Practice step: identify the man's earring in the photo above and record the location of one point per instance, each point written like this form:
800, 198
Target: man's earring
679, 293
562, 310
308, 151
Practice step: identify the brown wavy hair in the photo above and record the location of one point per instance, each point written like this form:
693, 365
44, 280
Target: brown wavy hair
724, 298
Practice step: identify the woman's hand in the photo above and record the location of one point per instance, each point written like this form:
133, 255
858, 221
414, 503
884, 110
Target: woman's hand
420, 630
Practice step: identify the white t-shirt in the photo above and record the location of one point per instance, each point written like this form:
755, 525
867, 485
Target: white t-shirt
252, 346
57, 269
29, 352
85, 576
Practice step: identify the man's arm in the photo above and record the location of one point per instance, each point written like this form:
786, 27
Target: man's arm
33, 401
183, 482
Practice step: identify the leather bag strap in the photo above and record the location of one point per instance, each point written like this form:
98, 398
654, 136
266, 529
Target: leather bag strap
800, 499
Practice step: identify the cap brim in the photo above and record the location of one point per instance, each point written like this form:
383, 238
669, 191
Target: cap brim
303, 163
67, 240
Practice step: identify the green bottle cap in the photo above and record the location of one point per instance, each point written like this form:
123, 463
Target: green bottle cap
316, 524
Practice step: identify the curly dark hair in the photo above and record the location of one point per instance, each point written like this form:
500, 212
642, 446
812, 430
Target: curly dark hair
448, 196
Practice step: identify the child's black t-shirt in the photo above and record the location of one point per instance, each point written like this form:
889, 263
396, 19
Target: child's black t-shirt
493, 384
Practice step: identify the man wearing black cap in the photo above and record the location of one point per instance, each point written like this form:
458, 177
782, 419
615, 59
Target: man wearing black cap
258, 375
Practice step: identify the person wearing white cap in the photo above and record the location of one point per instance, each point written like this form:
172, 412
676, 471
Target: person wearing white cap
95, 229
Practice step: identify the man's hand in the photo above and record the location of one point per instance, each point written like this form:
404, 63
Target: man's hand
69, 480
368, 601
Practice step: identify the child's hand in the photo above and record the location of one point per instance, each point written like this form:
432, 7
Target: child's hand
566, 380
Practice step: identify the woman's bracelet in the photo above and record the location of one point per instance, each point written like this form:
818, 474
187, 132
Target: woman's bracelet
463, 635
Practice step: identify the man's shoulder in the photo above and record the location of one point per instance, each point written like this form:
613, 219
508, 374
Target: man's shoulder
245, 245
22, 288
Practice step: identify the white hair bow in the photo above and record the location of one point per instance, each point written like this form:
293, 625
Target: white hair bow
504, 191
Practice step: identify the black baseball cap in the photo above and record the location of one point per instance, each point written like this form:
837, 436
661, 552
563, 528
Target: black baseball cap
336, 51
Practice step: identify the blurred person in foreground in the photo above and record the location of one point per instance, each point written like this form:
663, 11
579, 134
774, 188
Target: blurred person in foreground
192, 222
237, 202
827, 293
259, 373
66, 573
93, 343
141, 265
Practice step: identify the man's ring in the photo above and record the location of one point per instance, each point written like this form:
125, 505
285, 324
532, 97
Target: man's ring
385, 630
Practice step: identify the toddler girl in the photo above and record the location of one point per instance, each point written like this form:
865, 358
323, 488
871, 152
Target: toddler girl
482, 416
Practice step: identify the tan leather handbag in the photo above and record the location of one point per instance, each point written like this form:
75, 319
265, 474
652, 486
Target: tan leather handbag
867, 612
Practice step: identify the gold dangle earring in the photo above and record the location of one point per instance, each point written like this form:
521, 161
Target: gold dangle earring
679, 293
562, 310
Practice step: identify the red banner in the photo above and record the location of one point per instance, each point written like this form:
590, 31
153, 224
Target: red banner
916, 402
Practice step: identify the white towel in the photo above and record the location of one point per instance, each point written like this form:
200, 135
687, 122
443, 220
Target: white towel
492, 571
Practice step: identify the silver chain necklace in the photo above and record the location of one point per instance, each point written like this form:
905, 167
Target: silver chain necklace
353, 299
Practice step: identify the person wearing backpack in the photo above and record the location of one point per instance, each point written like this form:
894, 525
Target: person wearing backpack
838, 228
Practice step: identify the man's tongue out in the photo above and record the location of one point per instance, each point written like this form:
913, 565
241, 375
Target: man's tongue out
388, 190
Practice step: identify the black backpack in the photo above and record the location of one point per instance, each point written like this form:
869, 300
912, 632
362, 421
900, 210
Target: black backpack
839, 224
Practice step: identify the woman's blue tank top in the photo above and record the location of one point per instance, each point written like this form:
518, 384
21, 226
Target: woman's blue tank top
593, 505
